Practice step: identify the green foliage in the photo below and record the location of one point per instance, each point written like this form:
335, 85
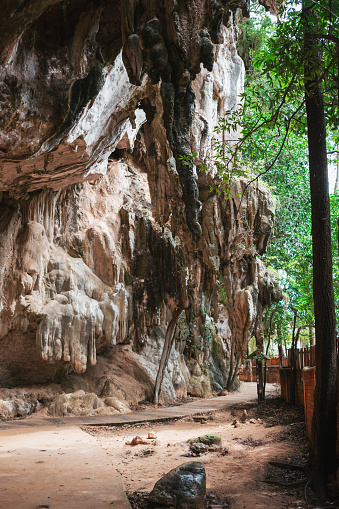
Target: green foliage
334, 231
290, 249
273, 145
273, 141
253, 36
221, 158
281, 318
222, 290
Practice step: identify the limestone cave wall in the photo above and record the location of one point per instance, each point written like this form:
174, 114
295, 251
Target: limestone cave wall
104, 232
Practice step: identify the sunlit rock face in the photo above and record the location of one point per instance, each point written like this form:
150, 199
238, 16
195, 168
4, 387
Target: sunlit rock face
104, 232
271, 5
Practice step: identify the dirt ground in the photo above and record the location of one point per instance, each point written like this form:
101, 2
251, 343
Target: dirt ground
239, 475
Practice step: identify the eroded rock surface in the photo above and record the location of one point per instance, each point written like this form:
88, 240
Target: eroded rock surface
75, 403
104, 232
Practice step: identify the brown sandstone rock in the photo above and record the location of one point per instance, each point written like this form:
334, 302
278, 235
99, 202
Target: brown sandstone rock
120, 406
243, 417
76, 403
137, 441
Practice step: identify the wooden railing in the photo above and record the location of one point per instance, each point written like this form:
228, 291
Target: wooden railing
273, 361
305, 357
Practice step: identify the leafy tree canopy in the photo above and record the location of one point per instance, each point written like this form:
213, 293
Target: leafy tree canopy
272, 146
273, 141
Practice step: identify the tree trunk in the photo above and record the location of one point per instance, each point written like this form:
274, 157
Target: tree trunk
230, 371
237, 362
265, 378
323, 446
281, 355
165, 354
267, 348
259, 382
293, 360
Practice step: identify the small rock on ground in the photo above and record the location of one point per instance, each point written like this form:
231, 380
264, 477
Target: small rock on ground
182, 487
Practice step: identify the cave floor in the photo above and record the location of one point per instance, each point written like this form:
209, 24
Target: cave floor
53, 463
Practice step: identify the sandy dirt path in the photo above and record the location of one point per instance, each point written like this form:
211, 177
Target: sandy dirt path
57, 468
237, 477
52, 463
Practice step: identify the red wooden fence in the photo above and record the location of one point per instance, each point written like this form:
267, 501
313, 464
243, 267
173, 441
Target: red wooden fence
305, 357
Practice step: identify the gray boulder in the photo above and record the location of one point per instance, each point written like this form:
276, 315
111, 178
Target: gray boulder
199, 448
183, 487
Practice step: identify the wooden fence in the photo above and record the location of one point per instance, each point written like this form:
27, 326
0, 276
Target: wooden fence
305, 357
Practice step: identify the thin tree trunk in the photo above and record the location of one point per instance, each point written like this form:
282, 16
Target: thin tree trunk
230, 371
265, 378
323, 444
281, 355
165, 354
336, 185
237, 362
267, 348
293, 362
259, 382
